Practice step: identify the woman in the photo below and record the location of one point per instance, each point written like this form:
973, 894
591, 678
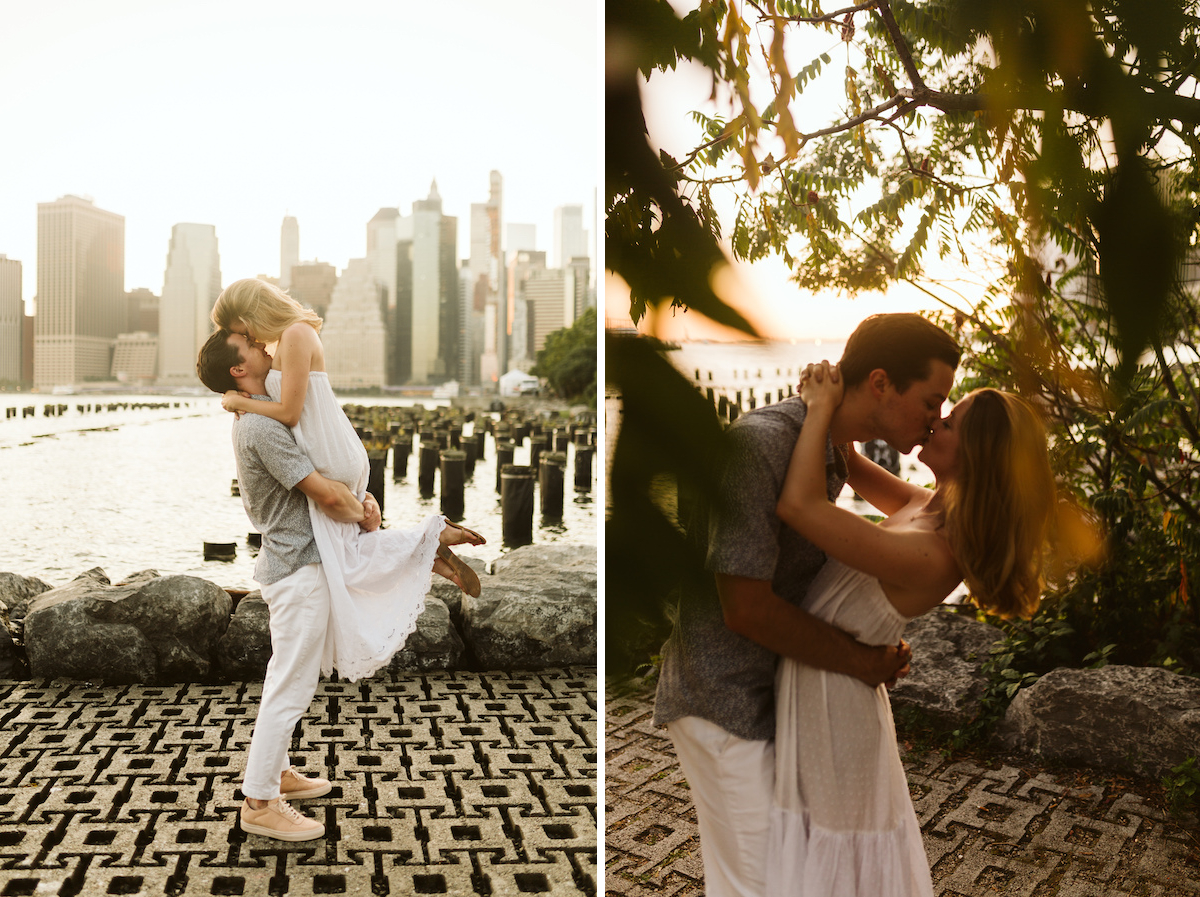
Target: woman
842, 823
378, 580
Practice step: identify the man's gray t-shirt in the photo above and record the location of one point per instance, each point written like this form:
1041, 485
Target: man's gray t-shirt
708, 670
269, 465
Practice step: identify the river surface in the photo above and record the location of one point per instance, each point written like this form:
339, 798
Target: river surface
144, 488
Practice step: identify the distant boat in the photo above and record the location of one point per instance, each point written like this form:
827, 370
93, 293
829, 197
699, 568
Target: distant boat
63, 391
447, 390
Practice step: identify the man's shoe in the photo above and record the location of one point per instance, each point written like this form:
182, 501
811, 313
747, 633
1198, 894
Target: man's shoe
279, 820
294, 786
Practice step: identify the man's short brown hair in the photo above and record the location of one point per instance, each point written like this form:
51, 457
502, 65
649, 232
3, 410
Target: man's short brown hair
902, 344
217, 356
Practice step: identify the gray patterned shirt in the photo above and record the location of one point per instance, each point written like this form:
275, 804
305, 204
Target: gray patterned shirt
708, 670
269, 465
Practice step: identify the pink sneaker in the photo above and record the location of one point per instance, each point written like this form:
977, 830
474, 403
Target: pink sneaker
293, 785
279, 820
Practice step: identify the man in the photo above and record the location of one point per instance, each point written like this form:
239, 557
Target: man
716, 690
274, 476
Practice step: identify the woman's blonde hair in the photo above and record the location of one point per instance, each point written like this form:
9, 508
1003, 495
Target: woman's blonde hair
1000, 505
264, 307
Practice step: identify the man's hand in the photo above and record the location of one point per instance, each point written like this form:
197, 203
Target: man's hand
374, 518
887, 665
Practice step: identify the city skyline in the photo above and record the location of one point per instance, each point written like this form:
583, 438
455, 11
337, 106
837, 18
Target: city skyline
262, 110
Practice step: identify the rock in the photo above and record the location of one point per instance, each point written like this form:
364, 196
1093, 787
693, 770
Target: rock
535, 560
1143, 720
947, 683
435, 645
148, 629
245, 649
11, 657
15, 593
537, 611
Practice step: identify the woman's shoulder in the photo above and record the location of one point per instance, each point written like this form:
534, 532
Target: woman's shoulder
300, 333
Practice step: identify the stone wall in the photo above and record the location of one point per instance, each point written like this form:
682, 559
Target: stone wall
537, 610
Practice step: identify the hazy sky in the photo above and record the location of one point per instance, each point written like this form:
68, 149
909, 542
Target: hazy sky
237, 113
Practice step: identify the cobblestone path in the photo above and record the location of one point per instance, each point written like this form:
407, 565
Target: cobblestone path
1004, 830
455, 783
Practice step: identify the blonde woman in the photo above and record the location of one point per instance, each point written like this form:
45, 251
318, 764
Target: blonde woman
378, 580
842, 821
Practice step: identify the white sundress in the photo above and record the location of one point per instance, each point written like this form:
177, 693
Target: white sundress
378, 580
842, 820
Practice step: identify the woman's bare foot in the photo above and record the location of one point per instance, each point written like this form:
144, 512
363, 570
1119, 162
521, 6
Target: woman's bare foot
456, 534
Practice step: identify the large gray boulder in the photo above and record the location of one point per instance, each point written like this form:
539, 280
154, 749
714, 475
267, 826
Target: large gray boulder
947, 683
435, 645
538, 610
1143, 720
149, 628
244, 651
16, 592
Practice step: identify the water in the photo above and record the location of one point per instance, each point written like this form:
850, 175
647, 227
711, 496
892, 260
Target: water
138, 489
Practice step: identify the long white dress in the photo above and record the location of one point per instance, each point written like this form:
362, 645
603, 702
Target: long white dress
378, 580
842, 821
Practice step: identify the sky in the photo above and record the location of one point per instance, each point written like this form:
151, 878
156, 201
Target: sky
762, 291
236, 114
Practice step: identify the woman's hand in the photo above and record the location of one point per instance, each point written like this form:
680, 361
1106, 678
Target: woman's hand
235, 401
821, 383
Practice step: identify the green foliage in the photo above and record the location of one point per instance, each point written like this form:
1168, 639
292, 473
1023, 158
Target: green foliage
1183, 787
1125, 451
568, 359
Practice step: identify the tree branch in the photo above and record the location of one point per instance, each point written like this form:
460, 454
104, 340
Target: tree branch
899, 44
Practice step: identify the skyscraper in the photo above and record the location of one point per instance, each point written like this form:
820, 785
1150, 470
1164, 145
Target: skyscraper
483, 326
312, 285
570, 239
12, 317
521, 266
433, 315
191, 285
81, 291
388, 233
353, 332
289, 250
552, 296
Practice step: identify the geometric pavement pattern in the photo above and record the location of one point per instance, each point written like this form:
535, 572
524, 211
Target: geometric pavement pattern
444, 783
986, 831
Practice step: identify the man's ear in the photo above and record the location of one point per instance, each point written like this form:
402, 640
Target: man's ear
878, 380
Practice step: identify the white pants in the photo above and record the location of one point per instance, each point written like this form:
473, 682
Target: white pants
732, 782
299, 606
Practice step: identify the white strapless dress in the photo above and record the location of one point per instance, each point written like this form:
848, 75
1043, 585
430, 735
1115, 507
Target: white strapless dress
842, 821
377, 581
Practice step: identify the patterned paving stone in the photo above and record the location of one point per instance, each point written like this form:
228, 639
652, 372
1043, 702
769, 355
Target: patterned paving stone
450, 783
1008, 830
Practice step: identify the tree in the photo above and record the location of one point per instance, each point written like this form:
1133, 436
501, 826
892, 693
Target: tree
568, 360
1012, 128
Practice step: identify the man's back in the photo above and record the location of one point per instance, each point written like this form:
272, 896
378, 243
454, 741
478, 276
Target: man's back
270, 464
708, 670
